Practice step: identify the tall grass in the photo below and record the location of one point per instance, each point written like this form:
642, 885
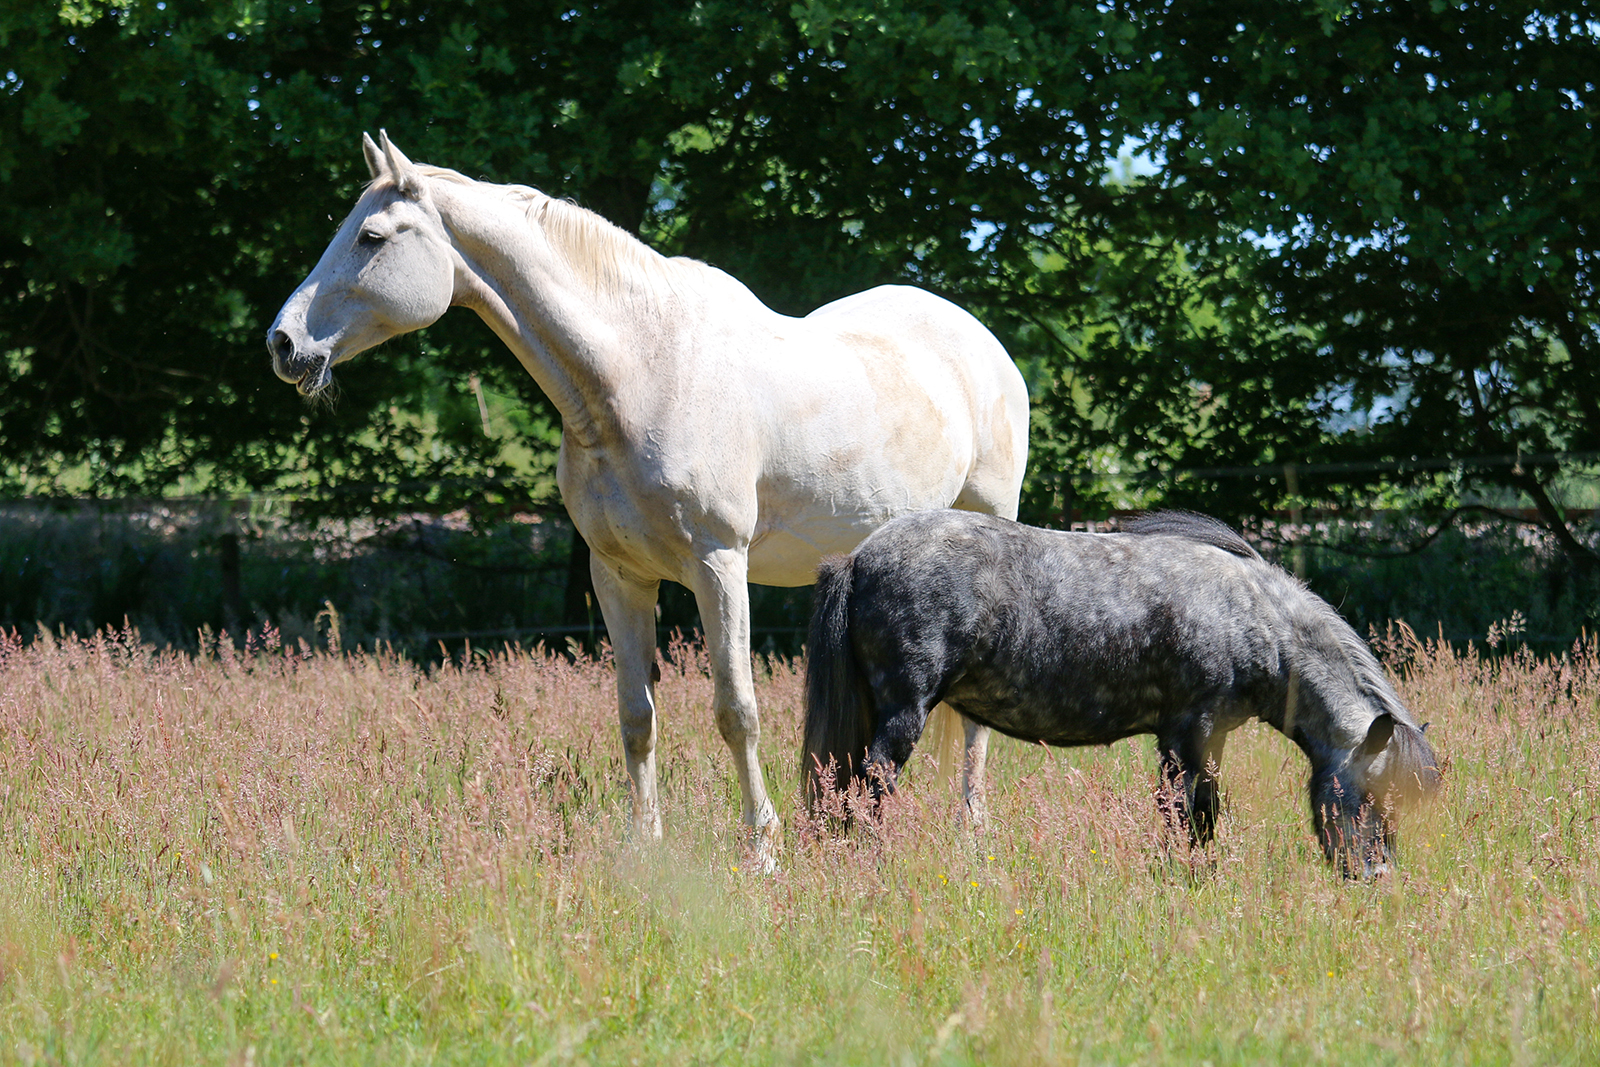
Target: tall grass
298, 856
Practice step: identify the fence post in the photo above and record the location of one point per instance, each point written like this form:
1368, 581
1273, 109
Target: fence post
232, 598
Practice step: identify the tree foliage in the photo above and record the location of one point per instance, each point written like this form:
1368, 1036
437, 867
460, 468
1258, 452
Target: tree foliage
1404, 194
1366, 233
171, 169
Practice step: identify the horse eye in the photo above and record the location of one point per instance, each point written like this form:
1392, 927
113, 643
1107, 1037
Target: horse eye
369, 238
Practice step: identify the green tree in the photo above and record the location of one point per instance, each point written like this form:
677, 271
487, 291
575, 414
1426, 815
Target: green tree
1356, 209
1398, 201
170, 170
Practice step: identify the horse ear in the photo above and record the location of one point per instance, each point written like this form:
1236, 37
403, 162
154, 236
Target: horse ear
376, 164
404, 172
1378, 735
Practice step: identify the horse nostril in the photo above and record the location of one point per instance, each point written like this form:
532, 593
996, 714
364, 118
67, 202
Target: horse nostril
280, 345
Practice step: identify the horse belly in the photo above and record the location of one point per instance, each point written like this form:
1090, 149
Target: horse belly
1081, 663
886, 404
1060, 711
824, 500
788, 555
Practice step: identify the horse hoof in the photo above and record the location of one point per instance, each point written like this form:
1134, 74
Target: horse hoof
647, 829
762, 847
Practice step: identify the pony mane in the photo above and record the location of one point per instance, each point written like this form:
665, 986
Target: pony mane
1371, 678
1416, 764
1415, 758
1192, 526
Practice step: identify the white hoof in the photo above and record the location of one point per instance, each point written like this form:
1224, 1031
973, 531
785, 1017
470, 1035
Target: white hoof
762, 847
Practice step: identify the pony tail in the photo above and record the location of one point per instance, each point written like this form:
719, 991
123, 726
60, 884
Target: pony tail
838, 705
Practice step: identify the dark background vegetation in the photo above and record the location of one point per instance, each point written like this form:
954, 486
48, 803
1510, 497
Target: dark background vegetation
1288, 263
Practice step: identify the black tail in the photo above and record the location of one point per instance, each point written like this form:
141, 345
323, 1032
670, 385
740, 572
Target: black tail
839, 719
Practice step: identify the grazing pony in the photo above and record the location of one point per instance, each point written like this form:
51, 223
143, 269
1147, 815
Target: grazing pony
1174, 627
705, 439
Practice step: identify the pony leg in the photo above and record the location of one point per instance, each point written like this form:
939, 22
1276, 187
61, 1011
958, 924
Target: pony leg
720, 589
628, 607
1189, 771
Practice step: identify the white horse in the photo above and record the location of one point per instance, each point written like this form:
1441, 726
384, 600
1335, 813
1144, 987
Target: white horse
705, 438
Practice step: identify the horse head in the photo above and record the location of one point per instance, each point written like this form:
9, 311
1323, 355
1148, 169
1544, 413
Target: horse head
389, 270
1354, 806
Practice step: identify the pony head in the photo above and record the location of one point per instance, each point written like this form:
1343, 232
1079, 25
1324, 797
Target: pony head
390, 269
1354, 803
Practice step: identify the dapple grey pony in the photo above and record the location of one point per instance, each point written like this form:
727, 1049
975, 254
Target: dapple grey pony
1174, 627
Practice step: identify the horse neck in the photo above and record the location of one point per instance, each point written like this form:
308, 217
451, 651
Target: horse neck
1335, 686
579, 342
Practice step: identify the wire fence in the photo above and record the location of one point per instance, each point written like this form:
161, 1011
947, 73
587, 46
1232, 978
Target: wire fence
1499, 503
176, 565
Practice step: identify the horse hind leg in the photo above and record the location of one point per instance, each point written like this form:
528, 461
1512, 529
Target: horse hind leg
958, 742
993, 487
903, 717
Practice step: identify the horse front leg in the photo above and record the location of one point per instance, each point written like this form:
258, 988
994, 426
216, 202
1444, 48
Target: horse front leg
628, 606
1192, 796
720, 589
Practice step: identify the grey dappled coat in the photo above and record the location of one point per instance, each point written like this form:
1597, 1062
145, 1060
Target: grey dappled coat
1175, 627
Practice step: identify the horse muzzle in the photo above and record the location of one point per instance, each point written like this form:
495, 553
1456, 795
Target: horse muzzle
308, 372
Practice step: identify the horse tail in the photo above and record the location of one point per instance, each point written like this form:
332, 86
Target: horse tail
839, 719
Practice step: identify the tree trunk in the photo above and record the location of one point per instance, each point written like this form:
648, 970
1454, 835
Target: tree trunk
1582, 557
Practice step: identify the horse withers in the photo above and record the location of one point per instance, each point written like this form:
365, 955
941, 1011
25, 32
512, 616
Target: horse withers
1174, 627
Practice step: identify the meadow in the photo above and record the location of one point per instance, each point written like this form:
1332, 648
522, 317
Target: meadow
298, 855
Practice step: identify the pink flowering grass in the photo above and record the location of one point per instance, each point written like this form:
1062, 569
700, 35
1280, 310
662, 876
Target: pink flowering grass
301, 856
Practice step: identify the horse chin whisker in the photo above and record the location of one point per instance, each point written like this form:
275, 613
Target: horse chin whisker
324, 395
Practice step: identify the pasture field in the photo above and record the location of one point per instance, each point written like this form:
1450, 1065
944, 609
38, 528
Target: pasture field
308, 857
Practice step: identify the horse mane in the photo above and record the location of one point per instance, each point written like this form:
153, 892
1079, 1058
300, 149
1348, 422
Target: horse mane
1192, 526
603, 253
1371, 679
607, 257
1415, 758
1416, 761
